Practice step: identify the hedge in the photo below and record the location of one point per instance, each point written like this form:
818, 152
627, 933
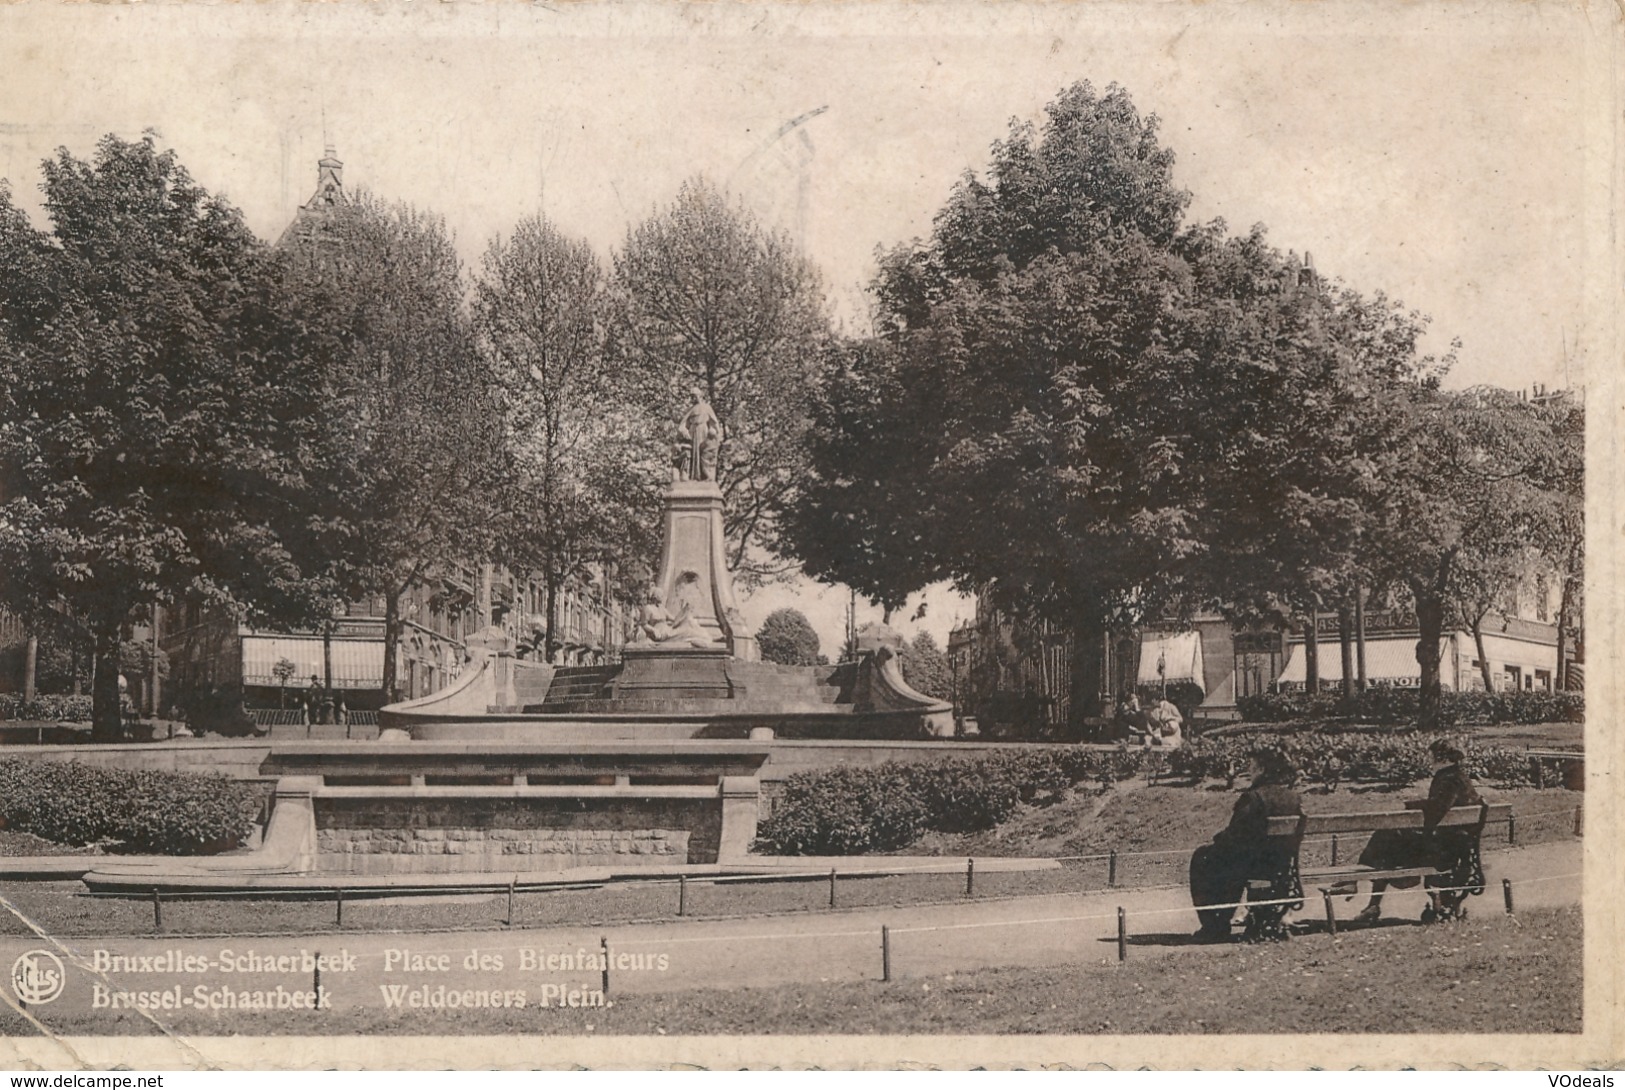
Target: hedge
851, 811
1384, 705
46, 708
161, 813
847, 811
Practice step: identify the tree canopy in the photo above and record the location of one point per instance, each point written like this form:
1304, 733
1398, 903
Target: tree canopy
704, 298
926, 667
1097, 413
412, 454
579, 500
152, 404
788, 638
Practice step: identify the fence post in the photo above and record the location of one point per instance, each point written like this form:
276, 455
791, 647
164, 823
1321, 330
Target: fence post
1512, 828
1334, 849
316, 976
512, 882
1331, 913
885, 952
1579, 820
157, 910
1111, 870
603, 946
832, 887
1506, 892
682, 894
338, 906
1122, 935
970, 877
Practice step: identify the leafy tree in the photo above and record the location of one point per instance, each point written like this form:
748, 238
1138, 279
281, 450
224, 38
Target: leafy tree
576, 499
283, 671
926, 667
1043, 380
705, 298
412, 451
1314, 376
1562, 541
1474, 481
788, 638
861, 515
152, 407
1096, 413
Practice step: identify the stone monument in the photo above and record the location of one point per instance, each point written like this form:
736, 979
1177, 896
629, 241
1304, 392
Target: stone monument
691, 608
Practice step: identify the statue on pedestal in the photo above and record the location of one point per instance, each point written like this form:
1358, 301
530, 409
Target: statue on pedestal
694, 456
658, 626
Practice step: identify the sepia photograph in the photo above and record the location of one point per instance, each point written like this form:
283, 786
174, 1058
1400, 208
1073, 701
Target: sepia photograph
820, 535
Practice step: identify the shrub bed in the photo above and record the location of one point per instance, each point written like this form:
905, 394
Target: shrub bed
848, 811
851, 811
1381, 705
46, 708
163, 813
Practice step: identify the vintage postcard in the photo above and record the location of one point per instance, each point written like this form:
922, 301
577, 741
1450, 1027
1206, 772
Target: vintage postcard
843, 535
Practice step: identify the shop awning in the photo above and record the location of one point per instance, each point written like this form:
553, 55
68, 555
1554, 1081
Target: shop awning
357, 664
1387, 662
1171, 658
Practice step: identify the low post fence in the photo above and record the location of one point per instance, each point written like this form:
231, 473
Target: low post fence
1108, 866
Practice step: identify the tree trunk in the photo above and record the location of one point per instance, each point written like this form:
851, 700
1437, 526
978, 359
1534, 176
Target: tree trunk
1560, 678
1345, 640
392, 639
1359, 635
106, 717
1430, 622
1087, 637
553, 645
31, 668
1565, 606
1483, 658
1311, 653
156, 687
327, 657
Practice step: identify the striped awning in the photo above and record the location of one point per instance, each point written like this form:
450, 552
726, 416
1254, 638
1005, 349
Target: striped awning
1171, 658
357, 664
1387, 662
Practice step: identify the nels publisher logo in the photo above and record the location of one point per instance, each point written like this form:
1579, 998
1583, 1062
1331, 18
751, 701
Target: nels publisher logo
38, 977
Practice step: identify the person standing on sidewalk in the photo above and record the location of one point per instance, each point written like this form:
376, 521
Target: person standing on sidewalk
1244, 850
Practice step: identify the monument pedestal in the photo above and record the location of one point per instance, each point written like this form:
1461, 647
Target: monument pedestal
694, 577
673, 674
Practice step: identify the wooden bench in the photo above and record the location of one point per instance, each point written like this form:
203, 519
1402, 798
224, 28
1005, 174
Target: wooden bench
1290, 886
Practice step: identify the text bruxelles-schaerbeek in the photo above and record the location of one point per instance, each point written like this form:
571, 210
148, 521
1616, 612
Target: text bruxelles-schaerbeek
420, 995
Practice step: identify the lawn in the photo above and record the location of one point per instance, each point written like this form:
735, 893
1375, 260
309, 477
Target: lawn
1490, 974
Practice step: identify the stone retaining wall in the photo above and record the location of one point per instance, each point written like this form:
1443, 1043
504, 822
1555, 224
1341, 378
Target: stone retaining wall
394, 836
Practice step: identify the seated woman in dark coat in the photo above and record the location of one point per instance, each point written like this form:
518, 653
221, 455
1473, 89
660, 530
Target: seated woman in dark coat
1448, 849
1243, 850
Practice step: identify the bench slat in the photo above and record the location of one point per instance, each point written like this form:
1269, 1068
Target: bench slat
1336, 874
1320, 824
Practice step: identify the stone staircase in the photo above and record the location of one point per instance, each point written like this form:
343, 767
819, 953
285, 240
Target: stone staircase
756, 688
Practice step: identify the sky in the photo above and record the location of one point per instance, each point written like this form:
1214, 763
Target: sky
1438, 153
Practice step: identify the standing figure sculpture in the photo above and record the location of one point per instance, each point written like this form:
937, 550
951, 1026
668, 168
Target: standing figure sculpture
699, 439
